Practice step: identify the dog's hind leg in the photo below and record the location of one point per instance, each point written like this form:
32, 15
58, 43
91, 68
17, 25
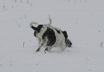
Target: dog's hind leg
48, 48
63, 45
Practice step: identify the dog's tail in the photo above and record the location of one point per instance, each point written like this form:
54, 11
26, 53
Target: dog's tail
50, 21
31, 25
35, 23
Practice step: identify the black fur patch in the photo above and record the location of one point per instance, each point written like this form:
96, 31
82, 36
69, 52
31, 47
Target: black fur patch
68, 43
58, 31
34, 28
65, 34
39, 28
51, 37
45, 34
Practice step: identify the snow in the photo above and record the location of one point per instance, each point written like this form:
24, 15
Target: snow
82, 19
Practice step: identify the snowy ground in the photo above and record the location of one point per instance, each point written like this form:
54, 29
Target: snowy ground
82, 19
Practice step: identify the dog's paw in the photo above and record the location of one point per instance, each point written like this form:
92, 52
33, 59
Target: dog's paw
46, 49
38, 50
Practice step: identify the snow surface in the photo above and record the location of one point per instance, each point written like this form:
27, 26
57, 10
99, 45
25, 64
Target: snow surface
82, 19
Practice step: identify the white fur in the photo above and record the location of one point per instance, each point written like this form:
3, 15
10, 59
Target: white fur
60, 39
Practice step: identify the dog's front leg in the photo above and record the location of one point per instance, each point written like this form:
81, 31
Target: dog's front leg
41, 44
39, 48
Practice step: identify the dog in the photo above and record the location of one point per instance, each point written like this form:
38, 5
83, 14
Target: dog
49, 36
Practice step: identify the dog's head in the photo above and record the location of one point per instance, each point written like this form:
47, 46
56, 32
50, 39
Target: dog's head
39, 30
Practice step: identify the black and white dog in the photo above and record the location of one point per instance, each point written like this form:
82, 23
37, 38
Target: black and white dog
49, 36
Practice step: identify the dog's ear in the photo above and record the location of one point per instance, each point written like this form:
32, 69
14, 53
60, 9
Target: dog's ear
34, 28
34, 24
